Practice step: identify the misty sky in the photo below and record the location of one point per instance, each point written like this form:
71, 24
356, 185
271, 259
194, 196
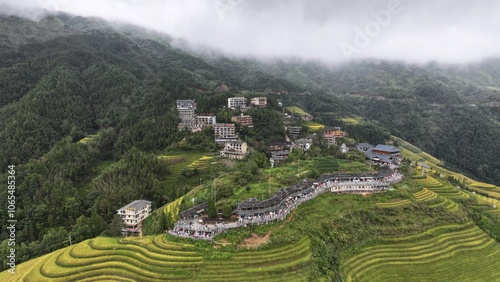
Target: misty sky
328, 30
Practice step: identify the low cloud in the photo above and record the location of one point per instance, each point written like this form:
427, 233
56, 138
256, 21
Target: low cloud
327, 30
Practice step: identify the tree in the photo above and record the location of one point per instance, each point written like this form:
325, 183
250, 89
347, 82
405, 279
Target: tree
227, 211
155, 223
55, 239
115, 228
81, 230
212, 211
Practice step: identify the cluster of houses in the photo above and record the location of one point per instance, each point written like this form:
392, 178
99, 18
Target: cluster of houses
224, 133
226, 136
280, 150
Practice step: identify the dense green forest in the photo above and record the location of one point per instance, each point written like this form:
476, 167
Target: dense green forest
67, 79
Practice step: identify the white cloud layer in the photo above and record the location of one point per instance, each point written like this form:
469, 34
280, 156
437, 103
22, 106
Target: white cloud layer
327, 30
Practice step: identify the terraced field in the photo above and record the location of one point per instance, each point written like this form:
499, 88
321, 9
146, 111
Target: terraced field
314, 126
425, 195
281, 264
393, 204
492, 190
180, 161
432, 199
201, 163
442, 188
173, 208
494, 203
297, 110
153, 258
440, 193
446, 253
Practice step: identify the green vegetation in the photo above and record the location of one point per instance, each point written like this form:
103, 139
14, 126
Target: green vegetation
351, 120
314, 126
87, 139
298, 111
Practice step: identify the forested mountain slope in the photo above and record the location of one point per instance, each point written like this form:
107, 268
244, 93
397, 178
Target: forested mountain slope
452, 111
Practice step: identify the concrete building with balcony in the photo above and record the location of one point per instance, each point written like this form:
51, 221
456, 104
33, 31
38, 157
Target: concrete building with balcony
331, 133
237, 102
186, 109
235, 150
225, 132
203, 121
243, 120
294, 131
132, 215
258, 101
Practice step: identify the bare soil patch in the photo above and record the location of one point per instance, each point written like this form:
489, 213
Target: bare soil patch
255, 241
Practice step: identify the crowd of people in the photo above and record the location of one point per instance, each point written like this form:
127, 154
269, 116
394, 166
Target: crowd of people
193, 228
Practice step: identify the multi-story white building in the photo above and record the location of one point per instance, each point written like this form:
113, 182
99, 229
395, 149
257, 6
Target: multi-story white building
259, 101
203, 121
237, 102
235, 150
186, 109
225, 131
133, 214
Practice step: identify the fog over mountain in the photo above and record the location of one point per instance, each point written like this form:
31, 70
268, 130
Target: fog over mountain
327, 30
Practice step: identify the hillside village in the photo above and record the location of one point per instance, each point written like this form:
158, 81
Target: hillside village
253, 211
135, 155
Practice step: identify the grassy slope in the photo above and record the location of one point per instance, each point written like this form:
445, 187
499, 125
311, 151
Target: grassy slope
351, 120
180, 161
298, 111
314, 126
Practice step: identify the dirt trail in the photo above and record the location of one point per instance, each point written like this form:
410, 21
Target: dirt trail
255, 241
